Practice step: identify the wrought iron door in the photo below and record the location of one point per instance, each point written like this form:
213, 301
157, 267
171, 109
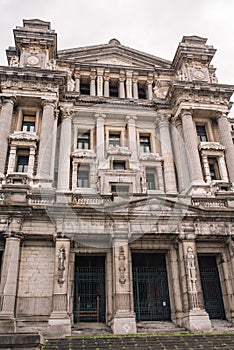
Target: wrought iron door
211, 287
89, 293
151, 296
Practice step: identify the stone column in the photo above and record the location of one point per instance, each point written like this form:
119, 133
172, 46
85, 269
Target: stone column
165, 140
177, 140
100, 151
46, 142
31, 160
195, 318
8, 284
77, 84
159, 172
131, 120
93, 83
190, 139
59, 322
124, 318
206, 168
65, 151
226, 140
176, 307
222, 168
129, 84
106, 86
12, 159
149, 89
100, 82
5, 129
77, 81
135, 86
121, 86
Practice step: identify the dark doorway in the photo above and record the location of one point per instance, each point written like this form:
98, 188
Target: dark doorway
90, 300
211, 287
150, 286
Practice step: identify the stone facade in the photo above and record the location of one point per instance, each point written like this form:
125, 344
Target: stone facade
116, 186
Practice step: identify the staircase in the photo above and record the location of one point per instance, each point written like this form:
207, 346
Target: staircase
145, 342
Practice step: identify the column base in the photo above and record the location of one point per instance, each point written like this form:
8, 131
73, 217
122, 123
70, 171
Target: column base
124, 324
64, 197
59, 325
7, 323
197, 320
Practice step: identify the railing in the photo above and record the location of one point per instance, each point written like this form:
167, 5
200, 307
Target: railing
91, 199
35, 199
210, 203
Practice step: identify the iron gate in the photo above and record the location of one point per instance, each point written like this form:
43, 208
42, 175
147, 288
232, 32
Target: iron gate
151, 296
89, 294
211, 287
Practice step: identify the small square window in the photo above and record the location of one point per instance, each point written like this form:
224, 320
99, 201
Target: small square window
214, 169
120, 188
114, 139
150, 179
142, 91
113, 88
22, 164
84, 86
119, 165
83, 140
28, 123
145, 146
201, 133
83, 176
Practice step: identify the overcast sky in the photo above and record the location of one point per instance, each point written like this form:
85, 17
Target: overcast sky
153, 26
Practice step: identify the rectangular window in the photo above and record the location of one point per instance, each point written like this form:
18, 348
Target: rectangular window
150, 179
113, 88
120, 188
201, 133
22, 164
145, 144
119, 165
83, 176
83, 140
142, 91
114, 139
214, 169
84, 86
28, 123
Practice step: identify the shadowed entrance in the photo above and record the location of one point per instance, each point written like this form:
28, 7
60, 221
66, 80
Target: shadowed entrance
151, 297
89, 303
211, 287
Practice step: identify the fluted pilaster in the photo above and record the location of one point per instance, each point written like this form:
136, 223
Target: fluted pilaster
65, 150
46, 141
5, 129
169, 170
226, 140
190, 139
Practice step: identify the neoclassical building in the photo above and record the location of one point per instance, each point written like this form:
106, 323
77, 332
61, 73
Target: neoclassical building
116, 186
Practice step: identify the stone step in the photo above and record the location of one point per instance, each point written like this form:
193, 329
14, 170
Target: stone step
224, 341
158, 327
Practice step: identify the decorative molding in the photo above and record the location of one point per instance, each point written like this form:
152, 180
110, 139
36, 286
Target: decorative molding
215, 146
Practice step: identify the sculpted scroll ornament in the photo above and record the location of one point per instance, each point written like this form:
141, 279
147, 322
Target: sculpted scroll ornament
191, 268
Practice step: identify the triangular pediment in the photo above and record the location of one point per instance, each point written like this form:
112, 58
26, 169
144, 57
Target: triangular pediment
113, 54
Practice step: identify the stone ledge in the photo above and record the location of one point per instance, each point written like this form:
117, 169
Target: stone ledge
21, 341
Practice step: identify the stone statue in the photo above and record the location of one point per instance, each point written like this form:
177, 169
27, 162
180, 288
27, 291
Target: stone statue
14, 62
192, 277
